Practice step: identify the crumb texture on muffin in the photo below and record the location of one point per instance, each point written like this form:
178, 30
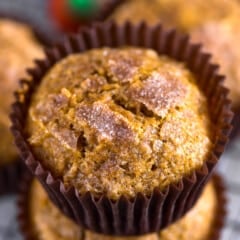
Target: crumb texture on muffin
49, 223
221, 18
119, 121
18, 49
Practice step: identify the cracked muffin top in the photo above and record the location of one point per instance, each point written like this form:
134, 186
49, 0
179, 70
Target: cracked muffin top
18, 49
184, 14
119, 121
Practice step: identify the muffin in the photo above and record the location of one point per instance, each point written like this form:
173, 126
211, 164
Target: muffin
123, 138
225, 50
204, 215
186, 15
14, 59
40, 219
46, 221
18, 49
227, 53
119, 122
220, 19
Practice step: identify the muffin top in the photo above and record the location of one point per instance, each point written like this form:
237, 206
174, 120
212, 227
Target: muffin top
119, 121
226, 50
18, 49
49, 223
185, 14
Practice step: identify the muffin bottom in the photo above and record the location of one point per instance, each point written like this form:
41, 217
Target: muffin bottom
40, 219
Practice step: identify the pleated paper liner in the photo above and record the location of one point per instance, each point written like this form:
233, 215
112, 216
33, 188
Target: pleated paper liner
11, 173
221, 211
141, 214
23, 214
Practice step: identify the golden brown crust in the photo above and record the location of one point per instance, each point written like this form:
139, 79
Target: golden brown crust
119, 121
225, 50
18, 49
185, 14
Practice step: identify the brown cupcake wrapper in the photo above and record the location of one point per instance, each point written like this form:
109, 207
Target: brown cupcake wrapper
10, 174
141, 214
27, 230
221, 211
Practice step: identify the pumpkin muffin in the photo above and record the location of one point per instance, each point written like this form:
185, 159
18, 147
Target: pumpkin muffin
119, 122
225, 50
185, 14
45, 221
18, 49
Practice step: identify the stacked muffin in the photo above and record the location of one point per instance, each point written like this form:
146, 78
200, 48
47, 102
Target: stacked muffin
221, 19
40, 219
122, 125
14, 59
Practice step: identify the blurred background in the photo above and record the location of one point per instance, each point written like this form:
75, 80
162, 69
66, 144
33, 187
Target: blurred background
229, 167
34, 10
